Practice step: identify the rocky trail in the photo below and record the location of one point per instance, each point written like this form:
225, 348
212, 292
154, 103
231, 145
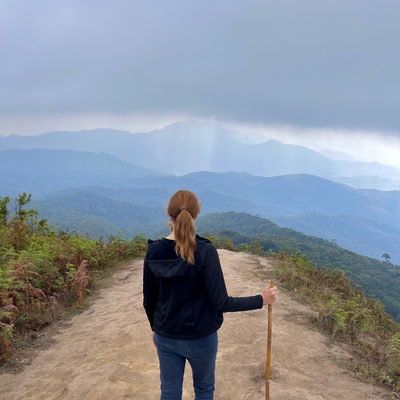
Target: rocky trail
106, 351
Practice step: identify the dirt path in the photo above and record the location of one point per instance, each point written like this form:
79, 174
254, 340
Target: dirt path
107, 352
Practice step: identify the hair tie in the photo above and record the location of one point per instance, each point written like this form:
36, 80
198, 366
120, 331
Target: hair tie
183, 209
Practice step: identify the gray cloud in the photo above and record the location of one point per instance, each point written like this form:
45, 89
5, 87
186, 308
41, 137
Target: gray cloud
300, 62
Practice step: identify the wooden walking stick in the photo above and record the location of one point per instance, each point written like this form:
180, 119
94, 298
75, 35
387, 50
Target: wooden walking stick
268, 347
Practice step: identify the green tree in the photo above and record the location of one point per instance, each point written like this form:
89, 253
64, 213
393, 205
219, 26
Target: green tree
31, 217
20, 201
386, 257
3, 210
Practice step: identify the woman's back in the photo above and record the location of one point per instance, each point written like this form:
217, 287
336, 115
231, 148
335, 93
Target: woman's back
185, 296
187, 301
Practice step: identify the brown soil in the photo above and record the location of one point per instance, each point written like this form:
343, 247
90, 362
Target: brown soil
106, 351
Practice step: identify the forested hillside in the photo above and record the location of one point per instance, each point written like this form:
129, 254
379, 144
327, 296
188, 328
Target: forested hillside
358, 234
100, 215
378, 278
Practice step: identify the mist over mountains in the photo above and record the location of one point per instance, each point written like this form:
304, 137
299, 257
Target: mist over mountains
209, 147
337, 155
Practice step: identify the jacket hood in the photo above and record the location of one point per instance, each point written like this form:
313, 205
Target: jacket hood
176, 269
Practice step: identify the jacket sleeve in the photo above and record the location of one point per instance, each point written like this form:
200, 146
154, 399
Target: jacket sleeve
216, 288
150, 291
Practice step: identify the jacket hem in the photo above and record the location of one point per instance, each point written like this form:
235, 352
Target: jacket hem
184, 337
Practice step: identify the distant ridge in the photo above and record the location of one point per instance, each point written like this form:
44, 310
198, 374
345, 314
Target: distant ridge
206, 129
290, 194
369, 181
205, 147
80, 161
337, 155
39, 171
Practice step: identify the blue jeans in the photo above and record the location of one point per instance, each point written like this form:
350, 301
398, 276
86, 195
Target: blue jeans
201, 354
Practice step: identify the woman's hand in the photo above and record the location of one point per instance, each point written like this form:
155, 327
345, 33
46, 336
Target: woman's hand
154, 341
269, 295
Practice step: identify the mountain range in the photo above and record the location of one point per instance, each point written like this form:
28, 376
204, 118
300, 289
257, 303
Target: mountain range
365, 221
41, 171
289, 194
209, 147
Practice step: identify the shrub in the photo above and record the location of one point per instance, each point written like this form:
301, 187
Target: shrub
393, 360
38, 269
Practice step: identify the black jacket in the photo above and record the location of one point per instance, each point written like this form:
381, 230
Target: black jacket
184, 301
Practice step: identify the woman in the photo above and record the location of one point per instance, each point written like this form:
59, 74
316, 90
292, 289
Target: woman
185, 297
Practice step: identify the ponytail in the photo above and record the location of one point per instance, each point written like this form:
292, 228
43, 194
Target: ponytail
183, 208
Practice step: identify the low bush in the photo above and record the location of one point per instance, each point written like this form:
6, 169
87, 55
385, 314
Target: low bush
39, 269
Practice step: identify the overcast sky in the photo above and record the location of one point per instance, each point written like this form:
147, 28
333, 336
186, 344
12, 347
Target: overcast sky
308, 71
